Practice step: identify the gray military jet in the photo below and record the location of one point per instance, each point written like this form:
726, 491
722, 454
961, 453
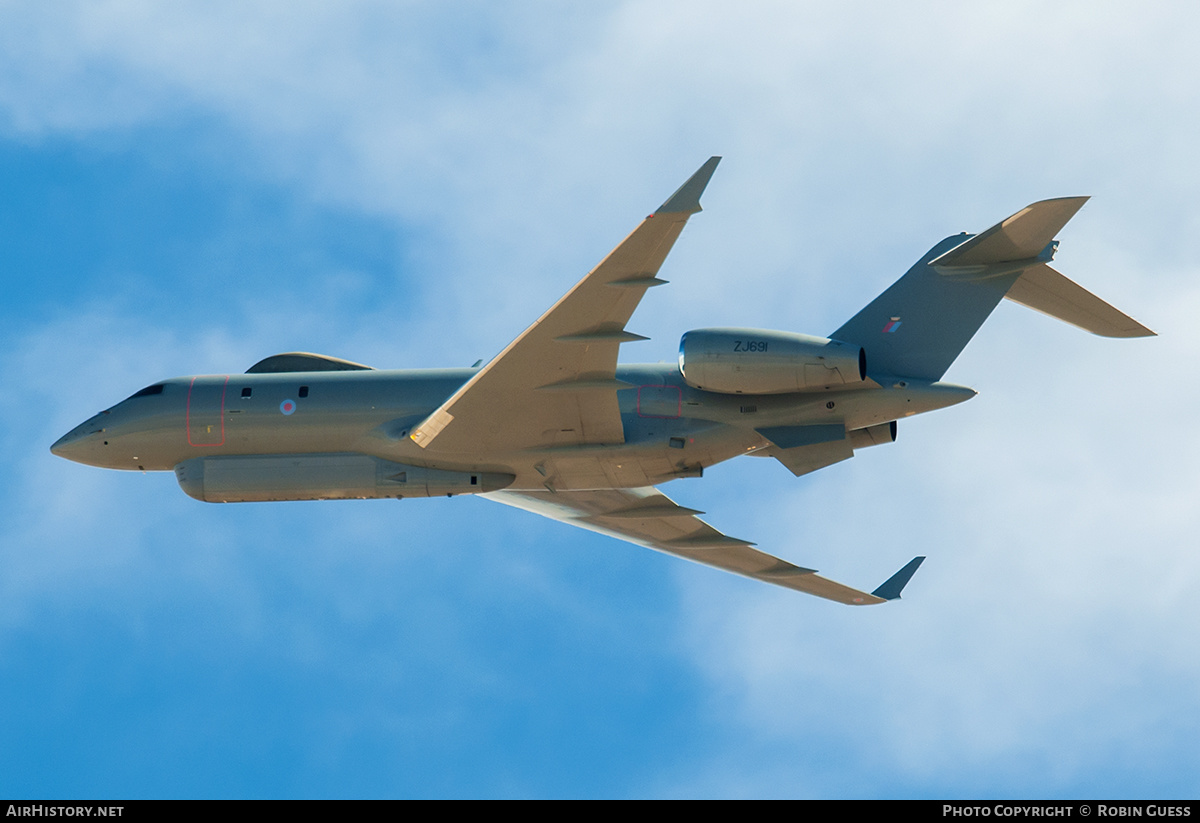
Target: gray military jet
553, 425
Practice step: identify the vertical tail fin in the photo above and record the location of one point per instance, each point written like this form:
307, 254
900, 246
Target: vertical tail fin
921, 323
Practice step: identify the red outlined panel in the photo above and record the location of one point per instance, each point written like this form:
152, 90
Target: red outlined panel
660, 401
205, 417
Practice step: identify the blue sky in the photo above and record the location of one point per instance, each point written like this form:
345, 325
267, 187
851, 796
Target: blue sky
189, 188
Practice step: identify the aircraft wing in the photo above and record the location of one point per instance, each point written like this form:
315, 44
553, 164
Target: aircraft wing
556, 383
649, 518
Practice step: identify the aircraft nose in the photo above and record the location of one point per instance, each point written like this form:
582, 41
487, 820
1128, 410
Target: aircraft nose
79, 442
63, 445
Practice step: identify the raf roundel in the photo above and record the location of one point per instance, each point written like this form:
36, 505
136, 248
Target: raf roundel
287, 406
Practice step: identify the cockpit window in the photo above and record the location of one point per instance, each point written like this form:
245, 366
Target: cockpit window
149, 390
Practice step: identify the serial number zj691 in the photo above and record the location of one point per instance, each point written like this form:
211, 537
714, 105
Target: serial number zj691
749, 345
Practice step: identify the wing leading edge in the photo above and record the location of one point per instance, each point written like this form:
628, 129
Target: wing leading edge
556, 384
649, 518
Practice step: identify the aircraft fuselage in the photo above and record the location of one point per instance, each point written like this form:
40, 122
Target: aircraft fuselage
671, 429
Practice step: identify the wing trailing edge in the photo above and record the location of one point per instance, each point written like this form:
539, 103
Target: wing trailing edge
647, 517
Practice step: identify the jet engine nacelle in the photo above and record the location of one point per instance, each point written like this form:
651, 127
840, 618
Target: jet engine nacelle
259, 478
753, 361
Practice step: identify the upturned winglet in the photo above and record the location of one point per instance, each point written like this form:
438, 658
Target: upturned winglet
687, 199
895, 584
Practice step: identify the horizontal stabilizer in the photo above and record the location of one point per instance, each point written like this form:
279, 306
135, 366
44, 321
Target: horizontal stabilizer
895, 584
1046, 290
1020, 237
